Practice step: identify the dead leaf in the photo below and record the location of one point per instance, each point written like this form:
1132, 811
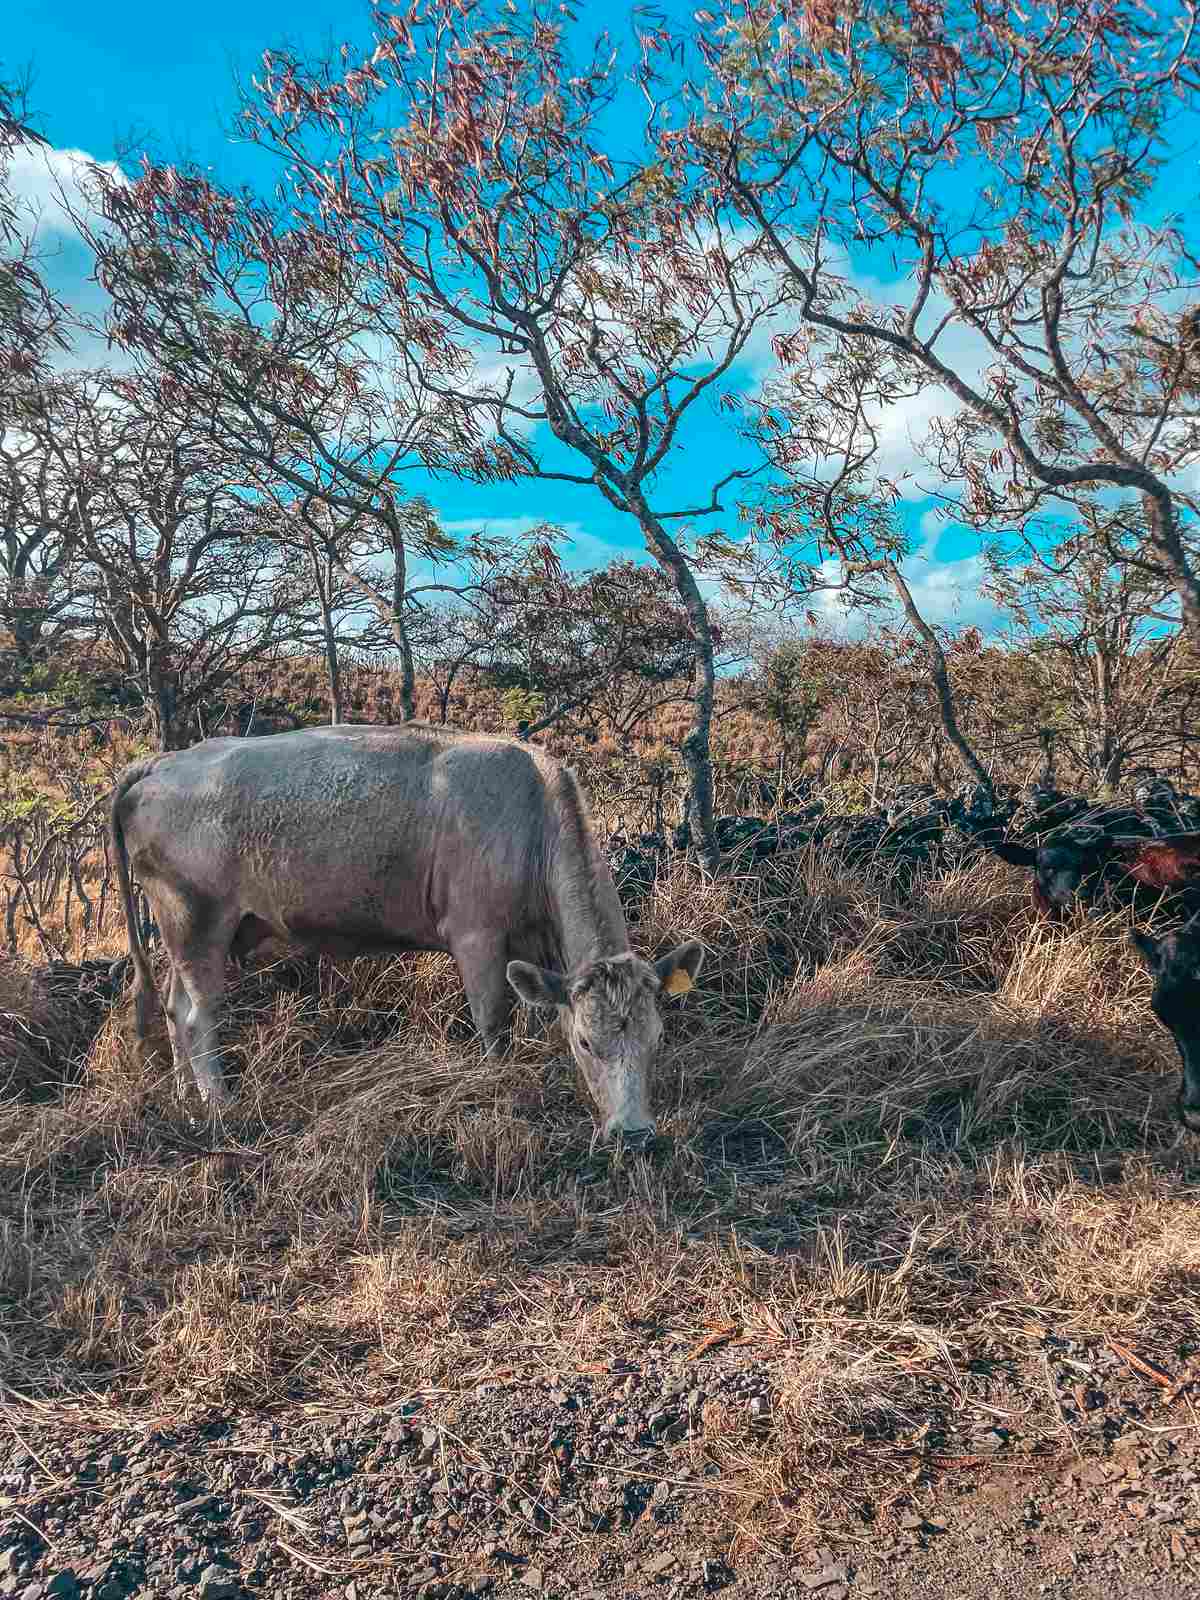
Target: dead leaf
1136, 1362
711, 1341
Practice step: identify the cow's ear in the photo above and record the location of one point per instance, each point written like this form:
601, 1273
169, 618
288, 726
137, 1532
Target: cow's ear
535, 986
1017, 855
1150, 948
678, 971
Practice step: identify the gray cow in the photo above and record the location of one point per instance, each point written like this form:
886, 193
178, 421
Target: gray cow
358, 839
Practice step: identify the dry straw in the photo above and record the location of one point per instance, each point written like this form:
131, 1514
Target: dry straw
897, 1130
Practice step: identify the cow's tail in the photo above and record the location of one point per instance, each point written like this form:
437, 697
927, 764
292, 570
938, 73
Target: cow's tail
145, 994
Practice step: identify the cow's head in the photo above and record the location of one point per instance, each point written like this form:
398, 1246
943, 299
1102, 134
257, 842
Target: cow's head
1174, 960
1060, 867
609, 1011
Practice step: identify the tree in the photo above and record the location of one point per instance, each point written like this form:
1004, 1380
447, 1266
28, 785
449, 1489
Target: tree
1102, 642
562, 313
33, 321
185, 577
793, 690
303, 526
827, 522
605, 647
987, 166
449, 641
40, 509
265, 329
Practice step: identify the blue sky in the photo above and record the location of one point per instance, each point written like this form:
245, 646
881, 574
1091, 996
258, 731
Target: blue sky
137, 75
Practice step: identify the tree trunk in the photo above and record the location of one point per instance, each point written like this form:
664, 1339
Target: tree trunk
696, 748
333, 662
1046, 740
408, 671
25, 628
1167, 545
873, 750
169, 725
1108, 758
936, 658
1110, 766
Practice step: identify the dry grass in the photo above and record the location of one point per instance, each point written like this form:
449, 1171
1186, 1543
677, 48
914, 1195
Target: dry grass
898, 1135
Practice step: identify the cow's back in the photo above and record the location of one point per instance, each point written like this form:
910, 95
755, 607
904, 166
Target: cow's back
352, 836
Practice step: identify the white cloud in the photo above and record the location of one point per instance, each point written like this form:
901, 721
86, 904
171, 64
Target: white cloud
947, 594
49, 185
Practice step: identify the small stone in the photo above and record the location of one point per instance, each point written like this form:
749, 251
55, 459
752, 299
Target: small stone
63, 1586
430, 1438
990, 1441
658, 1566
533, 1578
200, 1502
217, 1583
822, 1578
912, 1522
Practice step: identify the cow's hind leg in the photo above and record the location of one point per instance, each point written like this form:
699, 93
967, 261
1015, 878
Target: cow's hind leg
198, 938
198, 1024
179, 1010
482, 960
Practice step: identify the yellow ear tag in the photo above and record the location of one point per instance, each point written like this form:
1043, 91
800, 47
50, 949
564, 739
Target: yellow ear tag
678, 983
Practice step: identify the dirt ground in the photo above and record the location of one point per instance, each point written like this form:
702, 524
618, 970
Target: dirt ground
599, 1483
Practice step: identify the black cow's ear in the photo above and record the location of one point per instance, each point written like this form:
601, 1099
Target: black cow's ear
1149, 947
535, 986
1017, 855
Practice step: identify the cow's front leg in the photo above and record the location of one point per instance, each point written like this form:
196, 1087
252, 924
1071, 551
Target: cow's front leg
482, 960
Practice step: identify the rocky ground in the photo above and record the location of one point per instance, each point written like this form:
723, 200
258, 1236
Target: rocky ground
599, 1483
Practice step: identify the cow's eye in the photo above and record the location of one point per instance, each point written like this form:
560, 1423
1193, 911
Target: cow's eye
584, 1042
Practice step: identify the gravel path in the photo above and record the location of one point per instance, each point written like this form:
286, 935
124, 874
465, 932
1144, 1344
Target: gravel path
594, 1485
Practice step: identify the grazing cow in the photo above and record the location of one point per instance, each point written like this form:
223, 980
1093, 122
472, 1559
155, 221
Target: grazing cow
1174, 959
1090, 864
357, 839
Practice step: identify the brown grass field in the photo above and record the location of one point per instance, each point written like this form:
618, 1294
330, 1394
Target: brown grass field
902, 1143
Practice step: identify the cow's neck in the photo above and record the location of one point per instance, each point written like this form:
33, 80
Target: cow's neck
590, 923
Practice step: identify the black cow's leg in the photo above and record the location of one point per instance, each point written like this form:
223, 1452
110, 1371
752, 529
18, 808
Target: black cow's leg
482, 961
1189, 1089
